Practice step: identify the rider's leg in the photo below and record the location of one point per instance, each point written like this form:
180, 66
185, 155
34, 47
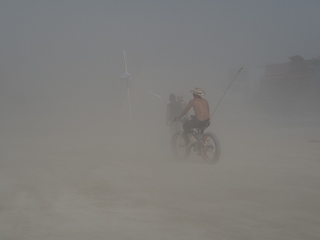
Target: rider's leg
203, 125
192, 139
187, 126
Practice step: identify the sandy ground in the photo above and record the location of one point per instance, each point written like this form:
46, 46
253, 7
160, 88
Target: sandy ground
103, 185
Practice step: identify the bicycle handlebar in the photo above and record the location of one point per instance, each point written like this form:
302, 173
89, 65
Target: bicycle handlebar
183, 120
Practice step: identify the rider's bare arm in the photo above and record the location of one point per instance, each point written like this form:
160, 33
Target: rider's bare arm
187, 108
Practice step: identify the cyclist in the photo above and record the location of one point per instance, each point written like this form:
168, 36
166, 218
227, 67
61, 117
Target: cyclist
202, 117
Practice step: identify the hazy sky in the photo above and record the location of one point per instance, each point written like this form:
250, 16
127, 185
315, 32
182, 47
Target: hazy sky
54, 49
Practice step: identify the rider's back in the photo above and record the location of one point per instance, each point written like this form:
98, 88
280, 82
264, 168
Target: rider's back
201, 109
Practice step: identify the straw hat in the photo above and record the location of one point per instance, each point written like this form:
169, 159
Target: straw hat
198, 91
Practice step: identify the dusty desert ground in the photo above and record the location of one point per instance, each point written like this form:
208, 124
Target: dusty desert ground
102, 182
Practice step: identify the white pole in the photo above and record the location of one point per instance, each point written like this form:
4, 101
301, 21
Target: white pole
125, 63
128, 87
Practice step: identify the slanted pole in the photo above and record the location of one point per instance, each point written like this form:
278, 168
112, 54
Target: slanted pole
128, 88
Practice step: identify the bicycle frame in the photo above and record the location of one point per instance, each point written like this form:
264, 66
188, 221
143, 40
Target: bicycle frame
207, 145
198, 135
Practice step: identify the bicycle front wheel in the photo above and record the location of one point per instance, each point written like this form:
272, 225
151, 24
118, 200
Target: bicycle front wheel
210, 147
179, 146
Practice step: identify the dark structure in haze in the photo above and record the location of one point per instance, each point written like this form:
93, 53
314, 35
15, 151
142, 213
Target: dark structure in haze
292, 87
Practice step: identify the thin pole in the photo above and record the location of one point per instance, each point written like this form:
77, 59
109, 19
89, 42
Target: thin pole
227, 90
128, 87
125, 63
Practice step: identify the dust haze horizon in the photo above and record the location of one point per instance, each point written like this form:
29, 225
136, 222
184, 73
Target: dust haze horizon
65, 53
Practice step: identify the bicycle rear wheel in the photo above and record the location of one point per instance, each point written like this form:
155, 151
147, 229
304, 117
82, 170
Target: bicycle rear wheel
179, 146
210, 147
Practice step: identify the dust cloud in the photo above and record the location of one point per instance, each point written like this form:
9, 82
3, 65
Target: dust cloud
77, 164
99, 176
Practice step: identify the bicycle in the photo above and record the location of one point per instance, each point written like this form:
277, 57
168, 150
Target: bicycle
207, 145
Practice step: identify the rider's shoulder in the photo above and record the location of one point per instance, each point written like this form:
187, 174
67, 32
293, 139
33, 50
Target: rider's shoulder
202, 99
191, 101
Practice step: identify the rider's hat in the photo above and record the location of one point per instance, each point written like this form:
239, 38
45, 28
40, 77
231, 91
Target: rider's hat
198, 91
